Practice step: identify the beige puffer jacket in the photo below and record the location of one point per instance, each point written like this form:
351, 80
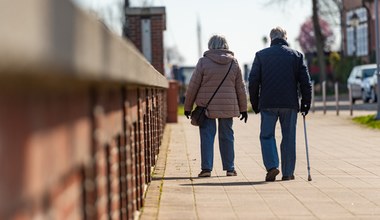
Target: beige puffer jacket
231, 98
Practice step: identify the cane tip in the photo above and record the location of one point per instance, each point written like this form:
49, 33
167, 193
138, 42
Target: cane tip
309, 178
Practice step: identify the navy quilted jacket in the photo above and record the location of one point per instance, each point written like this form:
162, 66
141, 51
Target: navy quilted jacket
278, 76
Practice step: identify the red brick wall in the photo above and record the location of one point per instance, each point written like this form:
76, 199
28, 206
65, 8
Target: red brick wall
40, 155
79, 153
135, 31
157, 28
350, 4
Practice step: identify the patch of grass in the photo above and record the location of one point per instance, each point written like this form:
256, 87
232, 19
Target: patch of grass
368, 121
181, 109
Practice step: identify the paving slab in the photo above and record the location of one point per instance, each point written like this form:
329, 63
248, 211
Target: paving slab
345, 167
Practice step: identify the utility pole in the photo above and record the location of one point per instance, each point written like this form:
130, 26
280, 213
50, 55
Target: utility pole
126, 24
377, 57
199, 36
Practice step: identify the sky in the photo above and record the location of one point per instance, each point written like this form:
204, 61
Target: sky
244, 23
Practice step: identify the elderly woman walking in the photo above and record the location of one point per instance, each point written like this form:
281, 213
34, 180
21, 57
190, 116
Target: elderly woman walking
229, 101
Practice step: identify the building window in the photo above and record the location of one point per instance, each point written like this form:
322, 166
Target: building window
357, 32
362, 40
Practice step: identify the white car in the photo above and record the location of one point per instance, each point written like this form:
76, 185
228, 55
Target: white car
370, 89
355, 80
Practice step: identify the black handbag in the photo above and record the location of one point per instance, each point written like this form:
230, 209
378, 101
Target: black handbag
198, 116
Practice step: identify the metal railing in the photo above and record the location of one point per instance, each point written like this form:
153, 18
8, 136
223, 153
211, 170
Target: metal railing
340, 104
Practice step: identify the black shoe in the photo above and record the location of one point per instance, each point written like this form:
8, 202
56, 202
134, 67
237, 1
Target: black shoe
271, 175
286, 178
231, 173
204, 173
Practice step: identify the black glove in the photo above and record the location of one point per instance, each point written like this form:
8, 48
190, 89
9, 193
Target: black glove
187, 113
244, 115
304, 108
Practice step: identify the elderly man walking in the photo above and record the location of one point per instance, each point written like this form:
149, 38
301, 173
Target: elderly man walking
277, 78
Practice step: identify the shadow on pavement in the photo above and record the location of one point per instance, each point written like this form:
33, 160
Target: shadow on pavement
227, 184
173, 178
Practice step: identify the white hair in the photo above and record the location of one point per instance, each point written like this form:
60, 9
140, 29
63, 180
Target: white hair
278, 32
217, 42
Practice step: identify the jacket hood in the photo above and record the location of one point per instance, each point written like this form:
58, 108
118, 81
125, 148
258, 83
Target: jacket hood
220, 56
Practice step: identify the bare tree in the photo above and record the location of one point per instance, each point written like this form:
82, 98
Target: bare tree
332, 11
320, 41
329, 8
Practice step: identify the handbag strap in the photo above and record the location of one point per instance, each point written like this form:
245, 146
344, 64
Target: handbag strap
219, 84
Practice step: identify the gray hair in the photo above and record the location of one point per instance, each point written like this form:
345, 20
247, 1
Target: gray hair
278, 32
217, 42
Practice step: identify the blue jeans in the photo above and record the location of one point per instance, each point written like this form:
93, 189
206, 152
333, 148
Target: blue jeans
226, 143
288, 121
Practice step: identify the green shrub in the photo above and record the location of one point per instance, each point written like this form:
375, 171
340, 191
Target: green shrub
343, 68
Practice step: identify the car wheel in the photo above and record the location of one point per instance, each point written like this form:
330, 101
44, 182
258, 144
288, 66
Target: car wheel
364, 97
373, 95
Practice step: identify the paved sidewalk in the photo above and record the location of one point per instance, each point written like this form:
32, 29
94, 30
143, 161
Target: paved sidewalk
345, 167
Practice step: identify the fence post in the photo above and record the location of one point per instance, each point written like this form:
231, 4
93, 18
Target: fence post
337, 97
312, 97
324, 96
350, 99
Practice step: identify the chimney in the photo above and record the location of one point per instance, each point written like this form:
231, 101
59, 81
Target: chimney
146, 27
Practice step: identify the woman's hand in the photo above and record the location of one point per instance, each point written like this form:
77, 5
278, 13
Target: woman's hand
187, 114
244, 115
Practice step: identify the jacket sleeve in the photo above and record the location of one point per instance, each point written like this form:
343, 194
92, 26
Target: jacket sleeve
240, 90
304, 82
194, 85
255, 82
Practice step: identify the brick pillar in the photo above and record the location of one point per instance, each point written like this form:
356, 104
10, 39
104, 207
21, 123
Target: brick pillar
146, 26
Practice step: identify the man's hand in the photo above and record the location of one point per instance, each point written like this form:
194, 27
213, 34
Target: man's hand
255, 108
244, 115
304, 108
187, 114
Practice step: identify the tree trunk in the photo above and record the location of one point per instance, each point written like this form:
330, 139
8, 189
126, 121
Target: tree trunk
320, 42
339, 5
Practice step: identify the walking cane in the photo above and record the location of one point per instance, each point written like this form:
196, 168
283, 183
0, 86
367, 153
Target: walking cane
307, 148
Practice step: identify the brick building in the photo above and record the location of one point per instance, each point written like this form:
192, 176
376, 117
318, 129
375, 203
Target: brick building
358, 29
146, 26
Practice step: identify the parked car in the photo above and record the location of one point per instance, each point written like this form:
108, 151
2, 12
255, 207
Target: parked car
370, 89
355, 80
